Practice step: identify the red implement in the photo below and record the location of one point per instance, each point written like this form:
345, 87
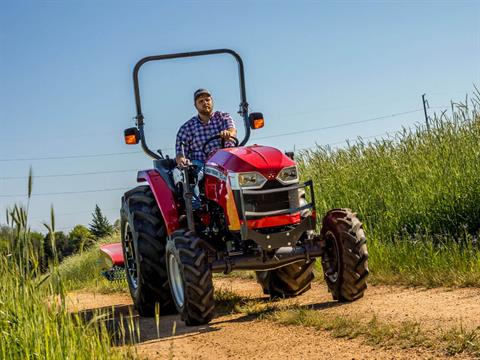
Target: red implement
113, 253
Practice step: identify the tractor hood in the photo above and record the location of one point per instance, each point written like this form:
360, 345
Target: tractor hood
265, 159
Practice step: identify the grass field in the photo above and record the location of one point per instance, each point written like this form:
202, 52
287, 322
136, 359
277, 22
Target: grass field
35, 323
34, 319
418, 183
84, 271
418, 195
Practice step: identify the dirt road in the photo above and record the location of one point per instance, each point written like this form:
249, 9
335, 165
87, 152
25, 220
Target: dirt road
245, 337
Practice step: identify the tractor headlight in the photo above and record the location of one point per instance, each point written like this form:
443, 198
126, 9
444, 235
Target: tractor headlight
288, 175
251, 180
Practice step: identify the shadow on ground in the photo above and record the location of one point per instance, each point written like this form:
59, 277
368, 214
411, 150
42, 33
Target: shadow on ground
125, 326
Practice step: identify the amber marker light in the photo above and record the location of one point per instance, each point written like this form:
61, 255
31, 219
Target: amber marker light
258, 123
131, 139
256, 120
132, 136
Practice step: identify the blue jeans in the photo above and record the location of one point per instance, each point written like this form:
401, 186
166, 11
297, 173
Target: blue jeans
198, 172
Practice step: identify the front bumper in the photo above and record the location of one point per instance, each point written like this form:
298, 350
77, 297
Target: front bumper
289, 237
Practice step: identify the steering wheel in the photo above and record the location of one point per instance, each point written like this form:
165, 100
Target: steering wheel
216, 137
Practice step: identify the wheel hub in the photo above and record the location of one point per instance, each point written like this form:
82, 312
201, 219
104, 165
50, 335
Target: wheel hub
331, 259
176, 282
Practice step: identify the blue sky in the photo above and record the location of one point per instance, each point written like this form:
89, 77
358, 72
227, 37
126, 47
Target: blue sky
66, 81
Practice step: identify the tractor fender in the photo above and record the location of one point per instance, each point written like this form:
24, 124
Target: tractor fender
164, 196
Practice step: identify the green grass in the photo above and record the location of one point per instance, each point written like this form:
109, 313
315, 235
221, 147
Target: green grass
418, 195
35, 324
420, 183
83, 271
421, 263
34, 320
424, 263
459, 340
374, 332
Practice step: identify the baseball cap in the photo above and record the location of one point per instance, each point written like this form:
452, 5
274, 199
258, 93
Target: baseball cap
199, 92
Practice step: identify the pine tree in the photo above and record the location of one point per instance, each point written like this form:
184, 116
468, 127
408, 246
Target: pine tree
100, 227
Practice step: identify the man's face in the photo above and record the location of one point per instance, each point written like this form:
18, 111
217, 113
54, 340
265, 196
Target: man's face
204, 104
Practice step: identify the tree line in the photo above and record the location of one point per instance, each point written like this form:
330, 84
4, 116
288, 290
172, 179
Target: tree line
64, 244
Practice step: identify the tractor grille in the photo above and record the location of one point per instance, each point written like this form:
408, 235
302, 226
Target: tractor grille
271, 202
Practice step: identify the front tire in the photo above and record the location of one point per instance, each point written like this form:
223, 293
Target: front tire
143, 241
190, 277
344, 262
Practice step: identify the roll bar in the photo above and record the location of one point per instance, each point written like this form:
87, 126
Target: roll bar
243, 109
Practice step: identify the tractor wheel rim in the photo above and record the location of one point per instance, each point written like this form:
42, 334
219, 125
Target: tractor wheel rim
131, 264
176, 282
334, 259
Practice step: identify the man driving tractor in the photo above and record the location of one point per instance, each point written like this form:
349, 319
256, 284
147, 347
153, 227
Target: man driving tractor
195, 132
191, 147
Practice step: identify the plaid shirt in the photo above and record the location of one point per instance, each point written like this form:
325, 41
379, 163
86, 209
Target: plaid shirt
194, 134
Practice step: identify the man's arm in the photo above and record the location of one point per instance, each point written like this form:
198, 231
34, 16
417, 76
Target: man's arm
179, 149
229, 127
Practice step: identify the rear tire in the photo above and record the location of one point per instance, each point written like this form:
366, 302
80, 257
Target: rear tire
345, 262
143, 241
190, 277
287, 281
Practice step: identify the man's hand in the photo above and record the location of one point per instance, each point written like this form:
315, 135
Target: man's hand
227, 134
182, 161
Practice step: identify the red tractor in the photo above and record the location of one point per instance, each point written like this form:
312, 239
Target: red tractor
255, 215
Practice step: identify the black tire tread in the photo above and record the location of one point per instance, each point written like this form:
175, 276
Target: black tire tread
352, 280
287, 281
139, 207
199, 300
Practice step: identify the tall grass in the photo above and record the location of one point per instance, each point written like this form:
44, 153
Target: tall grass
418, 194
83, 271
34, 320
424, 263
35, 323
